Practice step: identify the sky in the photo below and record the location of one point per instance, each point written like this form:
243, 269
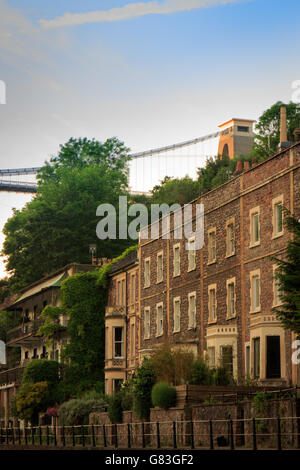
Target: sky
151, 73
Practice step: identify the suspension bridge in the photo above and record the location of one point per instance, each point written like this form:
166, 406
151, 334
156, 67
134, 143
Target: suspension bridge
149, 167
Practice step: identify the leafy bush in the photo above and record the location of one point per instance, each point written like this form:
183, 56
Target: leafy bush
31, 399
222, 377
115, 408
163, 395
76, 412
41, 370
199, 373
143, 382
171, 366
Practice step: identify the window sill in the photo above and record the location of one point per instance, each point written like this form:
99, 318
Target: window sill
212, 322
176, 331
159, 282
277, 235
258, 310
230, 255
159, 336
147, 287
230, 317
192, 328
254, 245
176, 275
191, 269
211, 262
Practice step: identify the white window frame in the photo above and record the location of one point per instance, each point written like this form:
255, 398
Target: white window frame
147, 272
147, 323
159, 319
176, 263
231, 282
275, 203
253, 212
176, 326
230, 223
160, 272
255, 274
191, 255
212, 288
210, 258
276, 300
121, 342
192, 315
132, 288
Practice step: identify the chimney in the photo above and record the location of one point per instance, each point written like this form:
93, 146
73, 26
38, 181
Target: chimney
239, 167
283, 133
283, 130
297, 134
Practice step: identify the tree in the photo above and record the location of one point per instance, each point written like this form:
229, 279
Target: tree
288, 277
175, 190
31, 399
268, 129
57, 226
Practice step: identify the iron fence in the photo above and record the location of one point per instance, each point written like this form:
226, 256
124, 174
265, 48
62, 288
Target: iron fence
253, 433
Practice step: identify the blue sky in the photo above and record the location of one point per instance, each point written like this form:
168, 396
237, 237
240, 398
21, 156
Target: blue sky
151, 80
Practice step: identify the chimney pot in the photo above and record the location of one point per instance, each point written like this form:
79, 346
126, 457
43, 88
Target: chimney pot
246, 165
283, 131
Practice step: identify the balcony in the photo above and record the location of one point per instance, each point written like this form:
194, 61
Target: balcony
24, 334
11, 376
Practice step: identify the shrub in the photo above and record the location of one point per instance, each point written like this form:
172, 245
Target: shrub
199, 373
222, 377
41, 370
171, 366
115, 408
163, 395
143, 382
31, 399
76, 412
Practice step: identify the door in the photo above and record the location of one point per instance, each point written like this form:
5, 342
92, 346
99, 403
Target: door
273, 357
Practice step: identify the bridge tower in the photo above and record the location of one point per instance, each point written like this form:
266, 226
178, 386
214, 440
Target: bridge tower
236, 137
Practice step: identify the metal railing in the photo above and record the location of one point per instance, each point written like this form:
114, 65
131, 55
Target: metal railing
24, 329
253, 434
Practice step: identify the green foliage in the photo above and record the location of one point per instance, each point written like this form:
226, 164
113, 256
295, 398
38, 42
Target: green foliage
171, 365
268, 129
288, 276
221, 376
200, 373
76, 412
31, 399
175, 190
115, 408
8, 320
163, 395
260, 401
62, 215
41, 370
143, 381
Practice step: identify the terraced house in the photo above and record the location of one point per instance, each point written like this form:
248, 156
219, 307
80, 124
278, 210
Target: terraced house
218, 300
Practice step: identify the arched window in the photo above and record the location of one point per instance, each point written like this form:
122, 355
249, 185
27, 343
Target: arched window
225, 150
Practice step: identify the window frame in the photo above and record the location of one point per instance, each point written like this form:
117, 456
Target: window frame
176, 301
254, 274
147, 262
160, 255
212, 287
229, 223
253, 212
231, 282
176, 247
147, 324
191, 255
277, 201
158, 331
192, 326
122, 342
211, 231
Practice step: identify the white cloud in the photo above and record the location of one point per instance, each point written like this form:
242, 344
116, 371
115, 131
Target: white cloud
132, 10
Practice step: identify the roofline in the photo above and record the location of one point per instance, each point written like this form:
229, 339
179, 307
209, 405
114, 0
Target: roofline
236, 119
45, 278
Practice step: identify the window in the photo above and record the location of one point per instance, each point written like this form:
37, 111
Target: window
123, 292
231, 298
191, 254
227, 358
160, 266
255, 290
117, 385
243, 128
159, 319
106, 343
147, 272
132, 289
192, 310
132, 341
276, 288
247, 361
256, 364
176, 260
230, 238
254, 227
277, 204
212, 246
176, 315
118, 342
147, 323
212, 303
211, 355
119, 293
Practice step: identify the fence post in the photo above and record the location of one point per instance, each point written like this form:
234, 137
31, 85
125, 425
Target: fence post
7, 439
73, 437
192, 435
19, 434
104, 436
40, 434
211, 437
32, 436
128, 436
47, 433
82, 432
254, 434
13, 435
278, 433
93, 436
143, 435
54, 435
174, 435
158, 435
63, 436
116, 436
25, 435
231, 435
